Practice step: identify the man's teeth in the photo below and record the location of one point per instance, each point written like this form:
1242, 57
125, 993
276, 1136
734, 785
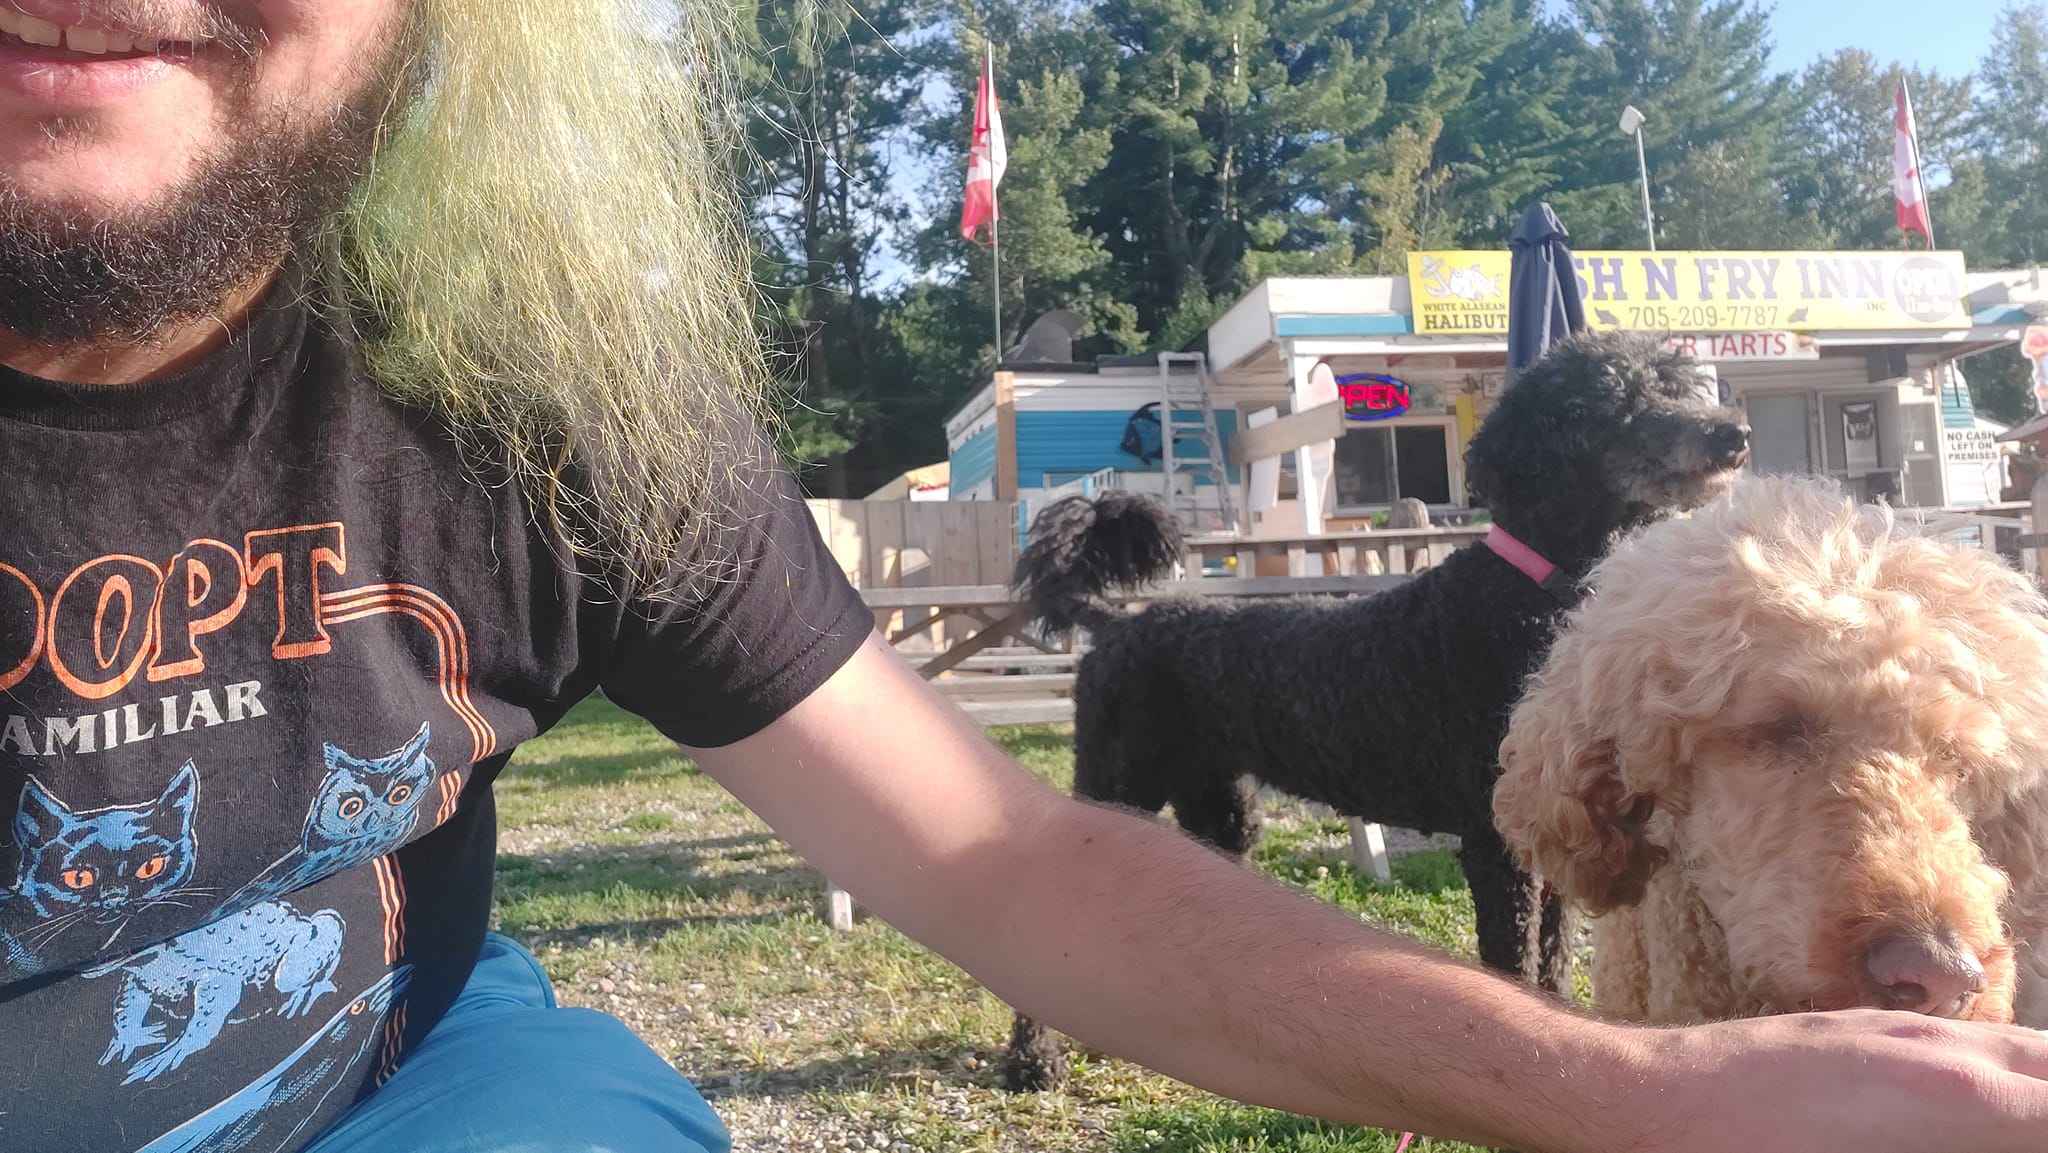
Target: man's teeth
94, 41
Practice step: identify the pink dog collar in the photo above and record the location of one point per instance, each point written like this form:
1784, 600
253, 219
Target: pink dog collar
1527, 559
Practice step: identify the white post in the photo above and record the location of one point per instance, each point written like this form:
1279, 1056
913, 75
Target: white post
1369, 849
1649, 224
838, 908
1314, 464
2038, 522
1262, 479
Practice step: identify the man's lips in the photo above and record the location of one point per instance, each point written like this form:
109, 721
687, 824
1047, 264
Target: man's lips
69, 74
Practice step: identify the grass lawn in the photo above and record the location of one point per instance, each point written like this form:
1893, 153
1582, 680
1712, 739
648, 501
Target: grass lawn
651, 894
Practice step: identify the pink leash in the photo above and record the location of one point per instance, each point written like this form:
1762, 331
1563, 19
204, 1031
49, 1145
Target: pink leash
1403, 1146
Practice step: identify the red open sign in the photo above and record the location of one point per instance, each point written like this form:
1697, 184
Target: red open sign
1371, 396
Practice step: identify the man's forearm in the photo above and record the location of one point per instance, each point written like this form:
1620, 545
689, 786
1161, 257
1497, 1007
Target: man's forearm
1128, 934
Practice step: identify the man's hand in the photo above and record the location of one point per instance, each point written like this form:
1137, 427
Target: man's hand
1136, 939
1860, 1080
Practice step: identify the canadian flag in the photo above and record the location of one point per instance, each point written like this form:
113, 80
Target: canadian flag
986, 155
1906, 182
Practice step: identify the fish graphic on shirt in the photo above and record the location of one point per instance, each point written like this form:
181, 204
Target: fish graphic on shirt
276, 1108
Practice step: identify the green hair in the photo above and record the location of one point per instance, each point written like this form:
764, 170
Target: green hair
548, 250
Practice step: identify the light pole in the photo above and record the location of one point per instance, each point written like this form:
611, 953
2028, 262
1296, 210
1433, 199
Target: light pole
1632, 125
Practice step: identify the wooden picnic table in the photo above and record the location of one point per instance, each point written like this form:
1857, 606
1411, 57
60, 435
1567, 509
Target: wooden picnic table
1389, 552
995, 615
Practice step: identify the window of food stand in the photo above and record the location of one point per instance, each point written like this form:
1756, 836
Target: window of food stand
1379, 464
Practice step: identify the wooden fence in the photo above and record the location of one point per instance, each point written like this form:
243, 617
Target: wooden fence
895, 544
886, 544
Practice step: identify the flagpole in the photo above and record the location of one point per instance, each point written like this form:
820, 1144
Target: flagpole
995, 244
985, 163
995, 252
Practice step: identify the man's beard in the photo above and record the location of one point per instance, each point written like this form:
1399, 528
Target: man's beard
72, 275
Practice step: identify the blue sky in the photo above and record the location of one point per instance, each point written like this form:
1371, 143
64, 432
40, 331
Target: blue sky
1949, 36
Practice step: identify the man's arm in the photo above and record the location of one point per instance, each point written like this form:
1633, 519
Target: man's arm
1136, 939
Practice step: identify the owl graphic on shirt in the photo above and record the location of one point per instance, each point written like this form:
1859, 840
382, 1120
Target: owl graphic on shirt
365, 808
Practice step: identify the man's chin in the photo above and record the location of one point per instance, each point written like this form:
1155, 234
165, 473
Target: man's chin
84, 270
97, 247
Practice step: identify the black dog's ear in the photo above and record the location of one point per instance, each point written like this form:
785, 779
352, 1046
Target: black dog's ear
1538, 431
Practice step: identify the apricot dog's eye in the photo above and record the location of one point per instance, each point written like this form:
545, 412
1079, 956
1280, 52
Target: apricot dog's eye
1947, 757
1791, 731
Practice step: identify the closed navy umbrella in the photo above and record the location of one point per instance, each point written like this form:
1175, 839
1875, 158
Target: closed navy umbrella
1543, 289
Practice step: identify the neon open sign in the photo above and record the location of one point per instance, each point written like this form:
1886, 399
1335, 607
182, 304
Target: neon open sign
1371, 396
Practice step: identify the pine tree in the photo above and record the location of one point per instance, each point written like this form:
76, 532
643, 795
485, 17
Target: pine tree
1237, 127
2012, 136
827, 88
1716, 117
1501, 83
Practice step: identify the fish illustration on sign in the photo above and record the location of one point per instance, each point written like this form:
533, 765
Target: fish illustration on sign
1466, 283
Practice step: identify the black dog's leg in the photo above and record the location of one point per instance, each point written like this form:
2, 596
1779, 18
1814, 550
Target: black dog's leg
1220, 809
1553, 949
1034, 1061
1502, 896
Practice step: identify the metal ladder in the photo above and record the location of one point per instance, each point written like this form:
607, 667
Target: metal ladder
1186, 409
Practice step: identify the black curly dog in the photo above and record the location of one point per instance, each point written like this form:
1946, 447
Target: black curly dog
1390, 708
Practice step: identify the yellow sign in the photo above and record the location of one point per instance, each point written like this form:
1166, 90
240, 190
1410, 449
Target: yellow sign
1467, 292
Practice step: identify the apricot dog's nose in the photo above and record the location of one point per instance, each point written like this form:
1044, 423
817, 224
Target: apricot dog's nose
1924, 974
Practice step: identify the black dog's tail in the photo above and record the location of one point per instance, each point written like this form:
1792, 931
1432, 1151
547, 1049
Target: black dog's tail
1081, 548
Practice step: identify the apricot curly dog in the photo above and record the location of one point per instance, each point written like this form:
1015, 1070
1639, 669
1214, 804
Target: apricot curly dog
1798, 757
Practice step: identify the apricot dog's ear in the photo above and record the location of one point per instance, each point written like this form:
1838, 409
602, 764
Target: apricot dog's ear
1562, 803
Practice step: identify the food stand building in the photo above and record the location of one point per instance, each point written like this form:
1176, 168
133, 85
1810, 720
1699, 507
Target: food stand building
1844, 361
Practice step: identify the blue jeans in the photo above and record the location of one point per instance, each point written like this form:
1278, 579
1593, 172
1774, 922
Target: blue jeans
507, 1071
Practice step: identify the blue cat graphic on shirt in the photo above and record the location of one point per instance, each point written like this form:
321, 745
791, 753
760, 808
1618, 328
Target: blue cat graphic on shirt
272, 1112
270, 958
363, 810
95, 868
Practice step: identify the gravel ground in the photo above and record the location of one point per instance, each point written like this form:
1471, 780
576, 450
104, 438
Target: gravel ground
650, 894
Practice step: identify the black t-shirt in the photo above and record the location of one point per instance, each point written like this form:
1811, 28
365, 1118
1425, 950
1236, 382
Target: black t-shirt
265, 641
